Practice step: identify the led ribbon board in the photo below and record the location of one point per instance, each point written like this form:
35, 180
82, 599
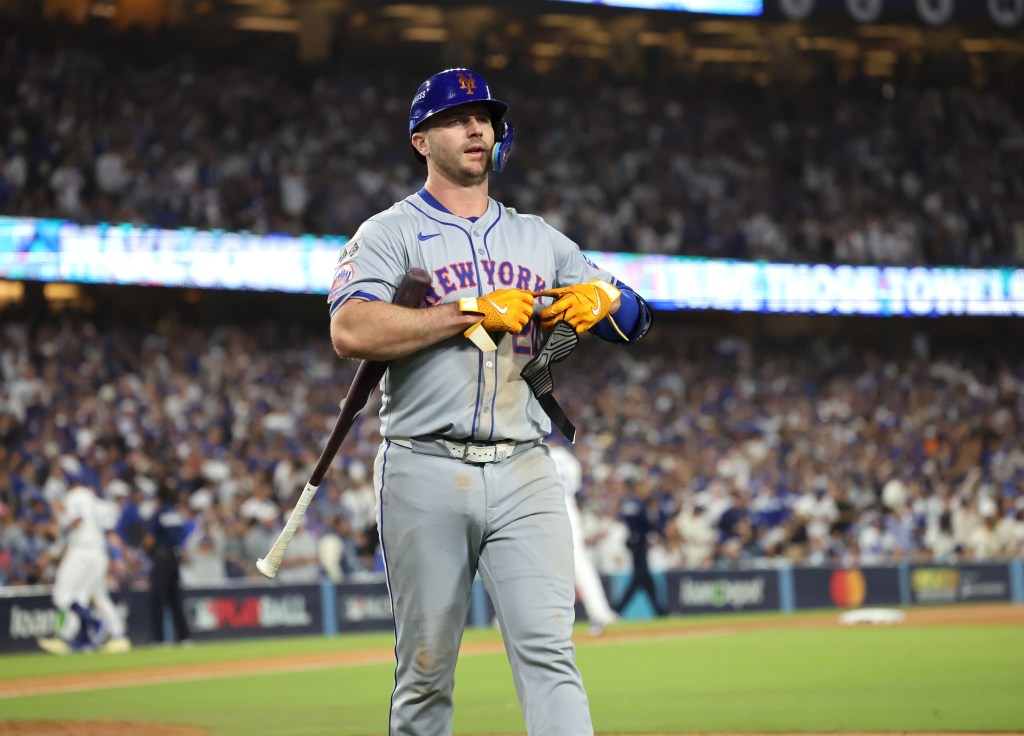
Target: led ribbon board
711, 7
57, 250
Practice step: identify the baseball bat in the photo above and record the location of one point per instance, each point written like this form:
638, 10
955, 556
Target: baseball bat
410, 293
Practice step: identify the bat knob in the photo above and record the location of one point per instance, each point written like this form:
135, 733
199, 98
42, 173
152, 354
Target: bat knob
266, 569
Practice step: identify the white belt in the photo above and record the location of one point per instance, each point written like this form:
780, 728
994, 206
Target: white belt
468, 452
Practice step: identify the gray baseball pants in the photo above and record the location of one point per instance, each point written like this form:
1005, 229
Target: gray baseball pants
441, 520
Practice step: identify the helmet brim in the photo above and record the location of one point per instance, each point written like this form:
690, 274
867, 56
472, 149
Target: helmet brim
498, 110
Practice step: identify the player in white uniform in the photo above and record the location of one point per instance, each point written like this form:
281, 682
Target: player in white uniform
588, 582
464, 483
82, 578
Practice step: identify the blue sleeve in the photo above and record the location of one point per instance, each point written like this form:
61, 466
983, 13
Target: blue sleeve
633, 318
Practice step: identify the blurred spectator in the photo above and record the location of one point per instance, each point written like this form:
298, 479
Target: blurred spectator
940, 541
330, 549
204, 557
815, 452
260, 537
260, 505
358, 500
300, 563
698, 537
854, 170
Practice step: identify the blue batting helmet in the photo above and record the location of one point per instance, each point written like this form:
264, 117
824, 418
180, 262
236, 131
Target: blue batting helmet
454, 87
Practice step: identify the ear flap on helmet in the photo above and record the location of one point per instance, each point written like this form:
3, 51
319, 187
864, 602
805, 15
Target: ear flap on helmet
502, 146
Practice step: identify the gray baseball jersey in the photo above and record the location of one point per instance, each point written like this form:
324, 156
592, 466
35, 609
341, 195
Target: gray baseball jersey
441, 520
426, 393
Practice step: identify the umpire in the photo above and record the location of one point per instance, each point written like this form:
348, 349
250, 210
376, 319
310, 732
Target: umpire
163, 541
641, 514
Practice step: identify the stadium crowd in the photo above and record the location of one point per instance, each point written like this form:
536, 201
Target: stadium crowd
749, 455
98, 128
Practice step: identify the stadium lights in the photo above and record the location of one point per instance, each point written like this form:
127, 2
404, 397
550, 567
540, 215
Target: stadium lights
61, 292
825, 43
882, 30
728, 28
547, 50
11, 292
731, 56
408, 10
267, 24
991, 46
651, 38
425, 34
560, 20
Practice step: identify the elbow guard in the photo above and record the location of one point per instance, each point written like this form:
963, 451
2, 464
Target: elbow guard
630, 323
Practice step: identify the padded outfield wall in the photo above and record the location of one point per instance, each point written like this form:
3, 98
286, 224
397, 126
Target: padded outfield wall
264, 610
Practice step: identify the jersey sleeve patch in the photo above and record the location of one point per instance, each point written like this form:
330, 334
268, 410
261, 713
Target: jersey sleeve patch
343, 274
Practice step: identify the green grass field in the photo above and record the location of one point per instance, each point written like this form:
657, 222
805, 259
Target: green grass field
851, 679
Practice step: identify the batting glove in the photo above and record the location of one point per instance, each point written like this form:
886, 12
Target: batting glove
581, 305
504, 310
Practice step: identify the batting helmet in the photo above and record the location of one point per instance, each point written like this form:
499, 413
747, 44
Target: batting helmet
454, 87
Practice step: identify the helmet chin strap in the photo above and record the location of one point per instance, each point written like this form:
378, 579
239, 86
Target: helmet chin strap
502, 148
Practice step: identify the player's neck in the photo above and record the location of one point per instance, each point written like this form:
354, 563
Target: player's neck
461, 201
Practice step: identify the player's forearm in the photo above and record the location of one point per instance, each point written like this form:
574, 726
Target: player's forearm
382, 331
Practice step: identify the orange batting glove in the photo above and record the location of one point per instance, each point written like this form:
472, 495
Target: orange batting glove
504, 310
581, 305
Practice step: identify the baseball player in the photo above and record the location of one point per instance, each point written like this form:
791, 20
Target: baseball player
82, 578
463, 481
588, 582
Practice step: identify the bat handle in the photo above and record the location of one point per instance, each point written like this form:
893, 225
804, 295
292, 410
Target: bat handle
410, 293
269, 565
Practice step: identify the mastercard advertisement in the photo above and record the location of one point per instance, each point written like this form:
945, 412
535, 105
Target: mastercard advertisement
846, 587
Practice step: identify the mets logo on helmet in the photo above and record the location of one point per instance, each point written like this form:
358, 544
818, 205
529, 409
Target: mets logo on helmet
467, 83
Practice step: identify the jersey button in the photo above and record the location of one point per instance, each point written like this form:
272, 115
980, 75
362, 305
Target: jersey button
476, 233
486, 409
480, 251
489, 364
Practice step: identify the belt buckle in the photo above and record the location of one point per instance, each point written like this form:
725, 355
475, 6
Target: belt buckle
479, 453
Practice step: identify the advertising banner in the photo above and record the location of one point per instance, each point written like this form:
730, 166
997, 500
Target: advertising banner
23, 619
846, 587
962, 584
721, 592
367, 607
253, 612
364, 607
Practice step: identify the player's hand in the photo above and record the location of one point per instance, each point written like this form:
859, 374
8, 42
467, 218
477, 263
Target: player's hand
504, 310
581, 305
